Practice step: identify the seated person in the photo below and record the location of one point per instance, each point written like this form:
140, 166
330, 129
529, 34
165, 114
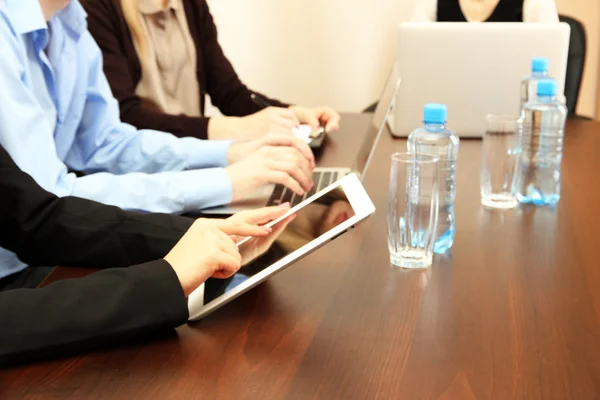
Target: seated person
485, 11
58, 114
77, 314
161, 58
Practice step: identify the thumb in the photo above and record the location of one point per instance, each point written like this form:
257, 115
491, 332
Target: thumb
277, 139
333, 124
309, 117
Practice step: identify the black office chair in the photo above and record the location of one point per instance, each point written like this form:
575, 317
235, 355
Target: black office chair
575, 64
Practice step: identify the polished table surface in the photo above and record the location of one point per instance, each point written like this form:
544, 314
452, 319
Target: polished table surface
511, 313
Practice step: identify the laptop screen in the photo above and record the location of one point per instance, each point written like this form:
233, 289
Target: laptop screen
312, 221
377, 124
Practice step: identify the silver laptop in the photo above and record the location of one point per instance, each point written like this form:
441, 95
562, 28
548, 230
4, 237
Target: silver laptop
323, 177
475, 69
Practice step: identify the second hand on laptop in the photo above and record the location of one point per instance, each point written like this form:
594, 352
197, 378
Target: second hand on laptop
262, 102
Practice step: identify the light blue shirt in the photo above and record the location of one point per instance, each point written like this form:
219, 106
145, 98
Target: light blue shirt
140, 170
40, 89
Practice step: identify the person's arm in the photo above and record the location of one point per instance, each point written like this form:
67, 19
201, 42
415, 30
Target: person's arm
540, 11
77, 315
116, 304
226, 90
424, 11
70, 316
105, 144
106, 24
36, 225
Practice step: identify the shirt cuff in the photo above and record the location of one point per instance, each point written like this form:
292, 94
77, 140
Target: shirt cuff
206, 153
204, 188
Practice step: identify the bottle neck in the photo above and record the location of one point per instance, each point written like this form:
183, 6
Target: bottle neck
539, 74
547, 99
434, 126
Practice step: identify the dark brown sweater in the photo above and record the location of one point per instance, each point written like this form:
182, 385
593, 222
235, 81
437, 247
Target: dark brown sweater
123, 70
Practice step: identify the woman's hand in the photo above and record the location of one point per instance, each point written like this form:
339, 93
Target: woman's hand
271, 120
277, 159
207, 250
320, 116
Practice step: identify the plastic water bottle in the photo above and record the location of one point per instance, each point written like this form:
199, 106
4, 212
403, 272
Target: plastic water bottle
538, 181
434, 139
539, 70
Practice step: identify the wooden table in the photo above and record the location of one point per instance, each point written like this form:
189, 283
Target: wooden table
512, 313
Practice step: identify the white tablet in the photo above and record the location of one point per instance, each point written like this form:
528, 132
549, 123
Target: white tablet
319, 219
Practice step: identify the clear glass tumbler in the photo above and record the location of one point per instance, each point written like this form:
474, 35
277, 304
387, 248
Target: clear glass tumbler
499, 160
412, 209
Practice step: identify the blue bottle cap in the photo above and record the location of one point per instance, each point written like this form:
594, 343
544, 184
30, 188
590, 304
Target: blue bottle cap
435, 113
539, 64
546, 87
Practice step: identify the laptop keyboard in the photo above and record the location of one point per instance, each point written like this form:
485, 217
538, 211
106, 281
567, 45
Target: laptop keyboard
322, 179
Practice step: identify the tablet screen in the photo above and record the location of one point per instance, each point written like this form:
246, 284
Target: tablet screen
315, 219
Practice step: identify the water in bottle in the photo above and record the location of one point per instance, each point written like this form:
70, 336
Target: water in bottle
539, 70
538, 180
434, 139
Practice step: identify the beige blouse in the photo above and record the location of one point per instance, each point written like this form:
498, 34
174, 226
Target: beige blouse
169, 73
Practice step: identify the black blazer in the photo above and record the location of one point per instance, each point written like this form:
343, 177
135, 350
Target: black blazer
111, 305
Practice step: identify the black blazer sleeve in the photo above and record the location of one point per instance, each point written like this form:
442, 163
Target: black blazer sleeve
110, 305
76, 315
45, 230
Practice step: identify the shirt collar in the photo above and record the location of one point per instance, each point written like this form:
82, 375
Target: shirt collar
27, 16
73, 17
150, 7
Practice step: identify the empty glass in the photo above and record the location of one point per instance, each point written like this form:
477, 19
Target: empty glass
412, 209
499, 161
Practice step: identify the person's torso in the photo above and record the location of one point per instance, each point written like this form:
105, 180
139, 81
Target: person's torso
62, 67
65, 72
505, 11
169, 78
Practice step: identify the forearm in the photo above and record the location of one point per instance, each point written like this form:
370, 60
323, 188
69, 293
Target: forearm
234, 99
225, 127
104, 143
45, 230
76, 232
76, 315
168, 192
120, 149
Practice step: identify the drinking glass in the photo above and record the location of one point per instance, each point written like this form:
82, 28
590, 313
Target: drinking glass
499, 161
412, 209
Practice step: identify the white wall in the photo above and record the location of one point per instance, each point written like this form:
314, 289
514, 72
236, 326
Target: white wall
338, 52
